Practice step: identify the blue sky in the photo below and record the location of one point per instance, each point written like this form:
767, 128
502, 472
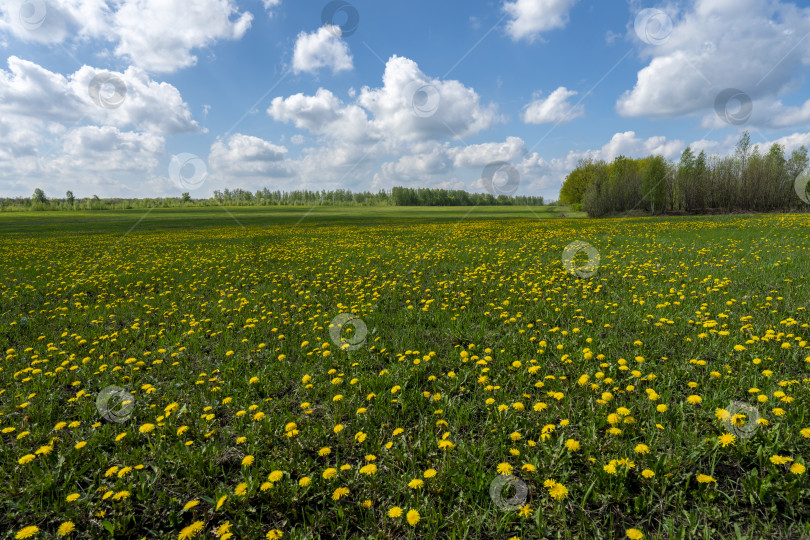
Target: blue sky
150, 98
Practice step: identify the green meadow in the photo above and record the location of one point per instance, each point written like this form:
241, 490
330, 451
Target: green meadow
390, 372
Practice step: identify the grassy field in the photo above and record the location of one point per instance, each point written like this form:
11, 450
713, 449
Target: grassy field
403, 373
196, 218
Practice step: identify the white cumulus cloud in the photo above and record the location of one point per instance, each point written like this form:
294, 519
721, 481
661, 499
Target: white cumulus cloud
411, 106
755, 46
321, 49
159, 36
245, 155
391, 112
156, 35
554, 109
529, 18
129, 99
479, 155
629, 145
324, 114
107, 150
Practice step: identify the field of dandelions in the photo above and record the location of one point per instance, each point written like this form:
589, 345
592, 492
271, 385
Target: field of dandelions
414, 378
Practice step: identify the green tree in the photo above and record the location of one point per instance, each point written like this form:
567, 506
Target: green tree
700, 181
685, 179
39, 197
653, 183
796, 164
576, 183
743, 150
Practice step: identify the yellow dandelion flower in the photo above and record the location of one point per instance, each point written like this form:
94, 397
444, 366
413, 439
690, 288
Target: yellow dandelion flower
27, 532
412, 517
66, 528
223, 529
395, 512
780, 460
369, 469
726, 439
558, 491
642, 449
191, 531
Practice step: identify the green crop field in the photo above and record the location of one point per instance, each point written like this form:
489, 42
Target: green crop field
403, 373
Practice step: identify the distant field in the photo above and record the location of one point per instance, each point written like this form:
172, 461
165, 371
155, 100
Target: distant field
403, 373
168, 218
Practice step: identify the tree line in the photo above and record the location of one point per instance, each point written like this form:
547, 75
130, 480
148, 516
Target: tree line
403, 196
398, 196
747, 180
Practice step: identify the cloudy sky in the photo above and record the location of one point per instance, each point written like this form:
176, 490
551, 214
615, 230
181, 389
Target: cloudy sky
150, 98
